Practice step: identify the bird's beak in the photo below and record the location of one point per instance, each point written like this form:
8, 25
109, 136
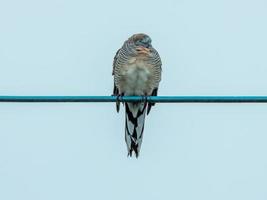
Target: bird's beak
143, 50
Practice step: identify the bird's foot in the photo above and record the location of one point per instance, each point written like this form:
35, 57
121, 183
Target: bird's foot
119, 98
144, 98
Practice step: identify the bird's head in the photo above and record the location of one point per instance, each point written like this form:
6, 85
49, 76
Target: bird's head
142, 40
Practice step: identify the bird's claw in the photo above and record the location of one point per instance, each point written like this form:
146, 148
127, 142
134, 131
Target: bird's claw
144, 98
119, 98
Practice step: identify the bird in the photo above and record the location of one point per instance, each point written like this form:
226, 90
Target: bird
137, 72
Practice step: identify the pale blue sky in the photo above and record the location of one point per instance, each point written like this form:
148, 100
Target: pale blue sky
77, 151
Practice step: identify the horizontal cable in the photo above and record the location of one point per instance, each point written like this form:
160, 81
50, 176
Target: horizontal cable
152, 99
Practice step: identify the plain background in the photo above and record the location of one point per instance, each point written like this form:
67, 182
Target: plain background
77, 151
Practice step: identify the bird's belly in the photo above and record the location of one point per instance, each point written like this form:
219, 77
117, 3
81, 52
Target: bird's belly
137, 79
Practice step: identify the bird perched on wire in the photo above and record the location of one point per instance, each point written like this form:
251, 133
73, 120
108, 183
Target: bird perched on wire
137, 72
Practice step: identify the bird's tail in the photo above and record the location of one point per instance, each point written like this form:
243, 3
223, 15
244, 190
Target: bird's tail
134, 126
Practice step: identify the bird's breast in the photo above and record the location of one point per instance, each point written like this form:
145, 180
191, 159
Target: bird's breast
137, 77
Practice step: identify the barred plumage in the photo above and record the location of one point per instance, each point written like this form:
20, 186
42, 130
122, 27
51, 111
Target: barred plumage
137, 71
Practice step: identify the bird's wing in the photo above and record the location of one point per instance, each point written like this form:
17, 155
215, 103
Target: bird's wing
155, 61
154, 93
115, 60
115, 89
